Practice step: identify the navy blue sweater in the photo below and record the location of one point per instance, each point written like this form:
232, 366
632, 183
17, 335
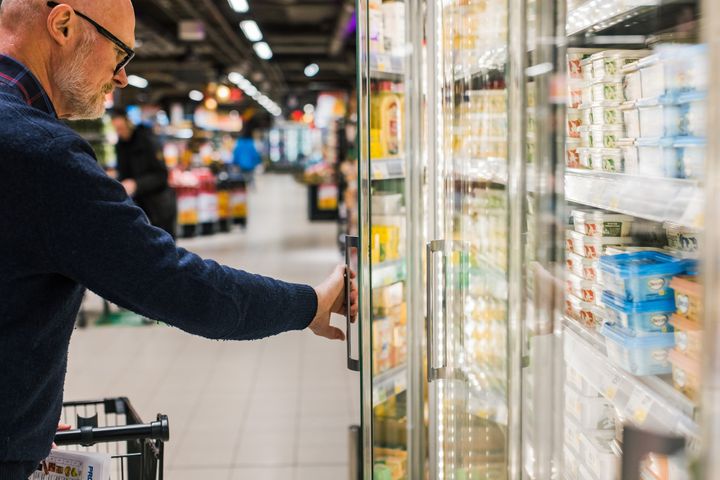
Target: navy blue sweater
67, 226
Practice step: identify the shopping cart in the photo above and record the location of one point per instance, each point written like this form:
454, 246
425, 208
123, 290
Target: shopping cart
113, 426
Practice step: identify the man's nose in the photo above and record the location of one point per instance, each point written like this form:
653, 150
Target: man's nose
120, 79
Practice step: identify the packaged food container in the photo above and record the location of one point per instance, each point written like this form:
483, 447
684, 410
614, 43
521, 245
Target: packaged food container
639, 354
691, 152
587, 69
574, 65
685, 66
688, 297
610, 63
582, 267
581, 288
586, 116
630, 156
608, 91
384, 203
657, 119
612, 160
693, 114
585, 158
586, 95
572, 152
641, 276
658, 158
602, 115
575, 94
688, 336
589, 412
686, 374
601, 224
631, 118
599, 457
592, 247
632, 86
585, 136
582, 312
574, 122
606, 136
641, 317
579, 383
682, 238
652, 76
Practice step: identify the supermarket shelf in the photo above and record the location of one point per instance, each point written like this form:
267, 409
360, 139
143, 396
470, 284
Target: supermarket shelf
387, 168
649, 402
596, 15
387, 273
386, 67
388, 384
657, 199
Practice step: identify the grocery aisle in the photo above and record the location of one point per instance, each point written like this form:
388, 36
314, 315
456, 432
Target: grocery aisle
273, 409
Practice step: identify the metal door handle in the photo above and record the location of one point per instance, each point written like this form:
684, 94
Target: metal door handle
350, 242
432, 372
638, 443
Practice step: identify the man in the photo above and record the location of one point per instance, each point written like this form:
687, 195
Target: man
66, 225
141, 170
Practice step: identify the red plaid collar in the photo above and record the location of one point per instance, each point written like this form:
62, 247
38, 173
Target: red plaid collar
15, 77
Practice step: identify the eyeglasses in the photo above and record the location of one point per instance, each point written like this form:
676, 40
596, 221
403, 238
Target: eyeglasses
129, 52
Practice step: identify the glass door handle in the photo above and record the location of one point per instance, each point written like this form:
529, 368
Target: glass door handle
350, 242
638, 443
433, 373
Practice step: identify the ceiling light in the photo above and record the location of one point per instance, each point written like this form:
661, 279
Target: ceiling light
251, 30
240, 6
196, 95
312, 70
137, 82
211, 104
251, 90
309, 108
235, 77
263, 51
223, 93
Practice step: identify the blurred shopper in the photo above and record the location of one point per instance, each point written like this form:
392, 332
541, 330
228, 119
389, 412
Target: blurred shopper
245, 154
142, 171
67, 226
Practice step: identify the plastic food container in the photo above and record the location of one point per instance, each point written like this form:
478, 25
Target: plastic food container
630, 156
602, 115
599, 457
639, 355
682, 238
688, 297
585, 158
572, 153
642, 317
575, 94
574, 122
658, 158
586, 116
384, 203
606, 136
652, 76
582, 267
585, 136
583, 289
631, 118
688, 336
612, 160
592, 247
632, 86
588, 412
691, 152
610, 63
586, 95
640, 276
608, 91
693, 114
601, 224
686, 374
658, 120
587, 69
583, 312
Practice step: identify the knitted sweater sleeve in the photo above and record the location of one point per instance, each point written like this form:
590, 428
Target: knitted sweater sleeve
96, 236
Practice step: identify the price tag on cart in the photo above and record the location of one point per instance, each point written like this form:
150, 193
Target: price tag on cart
639, 406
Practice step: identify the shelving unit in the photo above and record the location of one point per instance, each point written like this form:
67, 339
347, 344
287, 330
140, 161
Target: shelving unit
389, 383
386, 67
387, 273
388, 168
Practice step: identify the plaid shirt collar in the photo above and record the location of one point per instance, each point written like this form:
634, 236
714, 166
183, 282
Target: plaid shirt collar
16, 77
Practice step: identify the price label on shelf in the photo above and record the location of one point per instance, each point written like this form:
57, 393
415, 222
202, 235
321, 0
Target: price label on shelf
639, 406
611, 383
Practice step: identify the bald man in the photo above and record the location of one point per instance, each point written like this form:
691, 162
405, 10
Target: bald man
66, 226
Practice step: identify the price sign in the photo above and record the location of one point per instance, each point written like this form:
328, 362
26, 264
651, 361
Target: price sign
639, 406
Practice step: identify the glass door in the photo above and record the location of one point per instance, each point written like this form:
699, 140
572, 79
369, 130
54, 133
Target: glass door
468, 259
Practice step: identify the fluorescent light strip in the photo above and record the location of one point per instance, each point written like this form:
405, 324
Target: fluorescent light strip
137, 82
240, 6
312, 70
262, 49
251, 30
252, 91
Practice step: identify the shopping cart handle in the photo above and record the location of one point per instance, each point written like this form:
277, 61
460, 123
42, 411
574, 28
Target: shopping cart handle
88, 436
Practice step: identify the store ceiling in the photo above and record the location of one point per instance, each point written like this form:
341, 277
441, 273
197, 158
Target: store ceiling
299, 32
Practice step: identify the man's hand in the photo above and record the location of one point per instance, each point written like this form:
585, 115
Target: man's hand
61, 428
331, 299
130, 186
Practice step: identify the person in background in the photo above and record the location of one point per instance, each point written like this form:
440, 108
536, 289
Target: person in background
245, 154
142, 171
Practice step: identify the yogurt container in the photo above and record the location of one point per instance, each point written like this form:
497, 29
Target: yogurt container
606, 115
587, 69
688, 297
585, 136
658, 157
574, 122
586, 95
682, 238
586, 290
586, 116
632, 86
592, 247
693, 114
652, 76
686, 374
599, 457
585, 158
658, 119
589, 412
630, 155
601, 224
688, 336
608, 91
642, 317
584, 313
572, 153
606, 136
612, 160
631, 119
691, 152
582, 267
639, 355
610, 63
641, 276
575, 93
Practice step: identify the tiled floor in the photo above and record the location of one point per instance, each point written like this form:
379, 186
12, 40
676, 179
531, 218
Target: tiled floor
273, 409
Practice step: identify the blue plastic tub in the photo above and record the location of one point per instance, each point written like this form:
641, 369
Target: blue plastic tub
643, 317
639, 354
641, 276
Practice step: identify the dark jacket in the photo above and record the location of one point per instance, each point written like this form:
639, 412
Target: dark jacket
66, 226
140, 159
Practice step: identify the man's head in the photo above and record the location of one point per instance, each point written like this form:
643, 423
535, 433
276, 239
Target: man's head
73, 59
122, 124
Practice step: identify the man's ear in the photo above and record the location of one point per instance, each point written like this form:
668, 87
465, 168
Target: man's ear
61, 24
